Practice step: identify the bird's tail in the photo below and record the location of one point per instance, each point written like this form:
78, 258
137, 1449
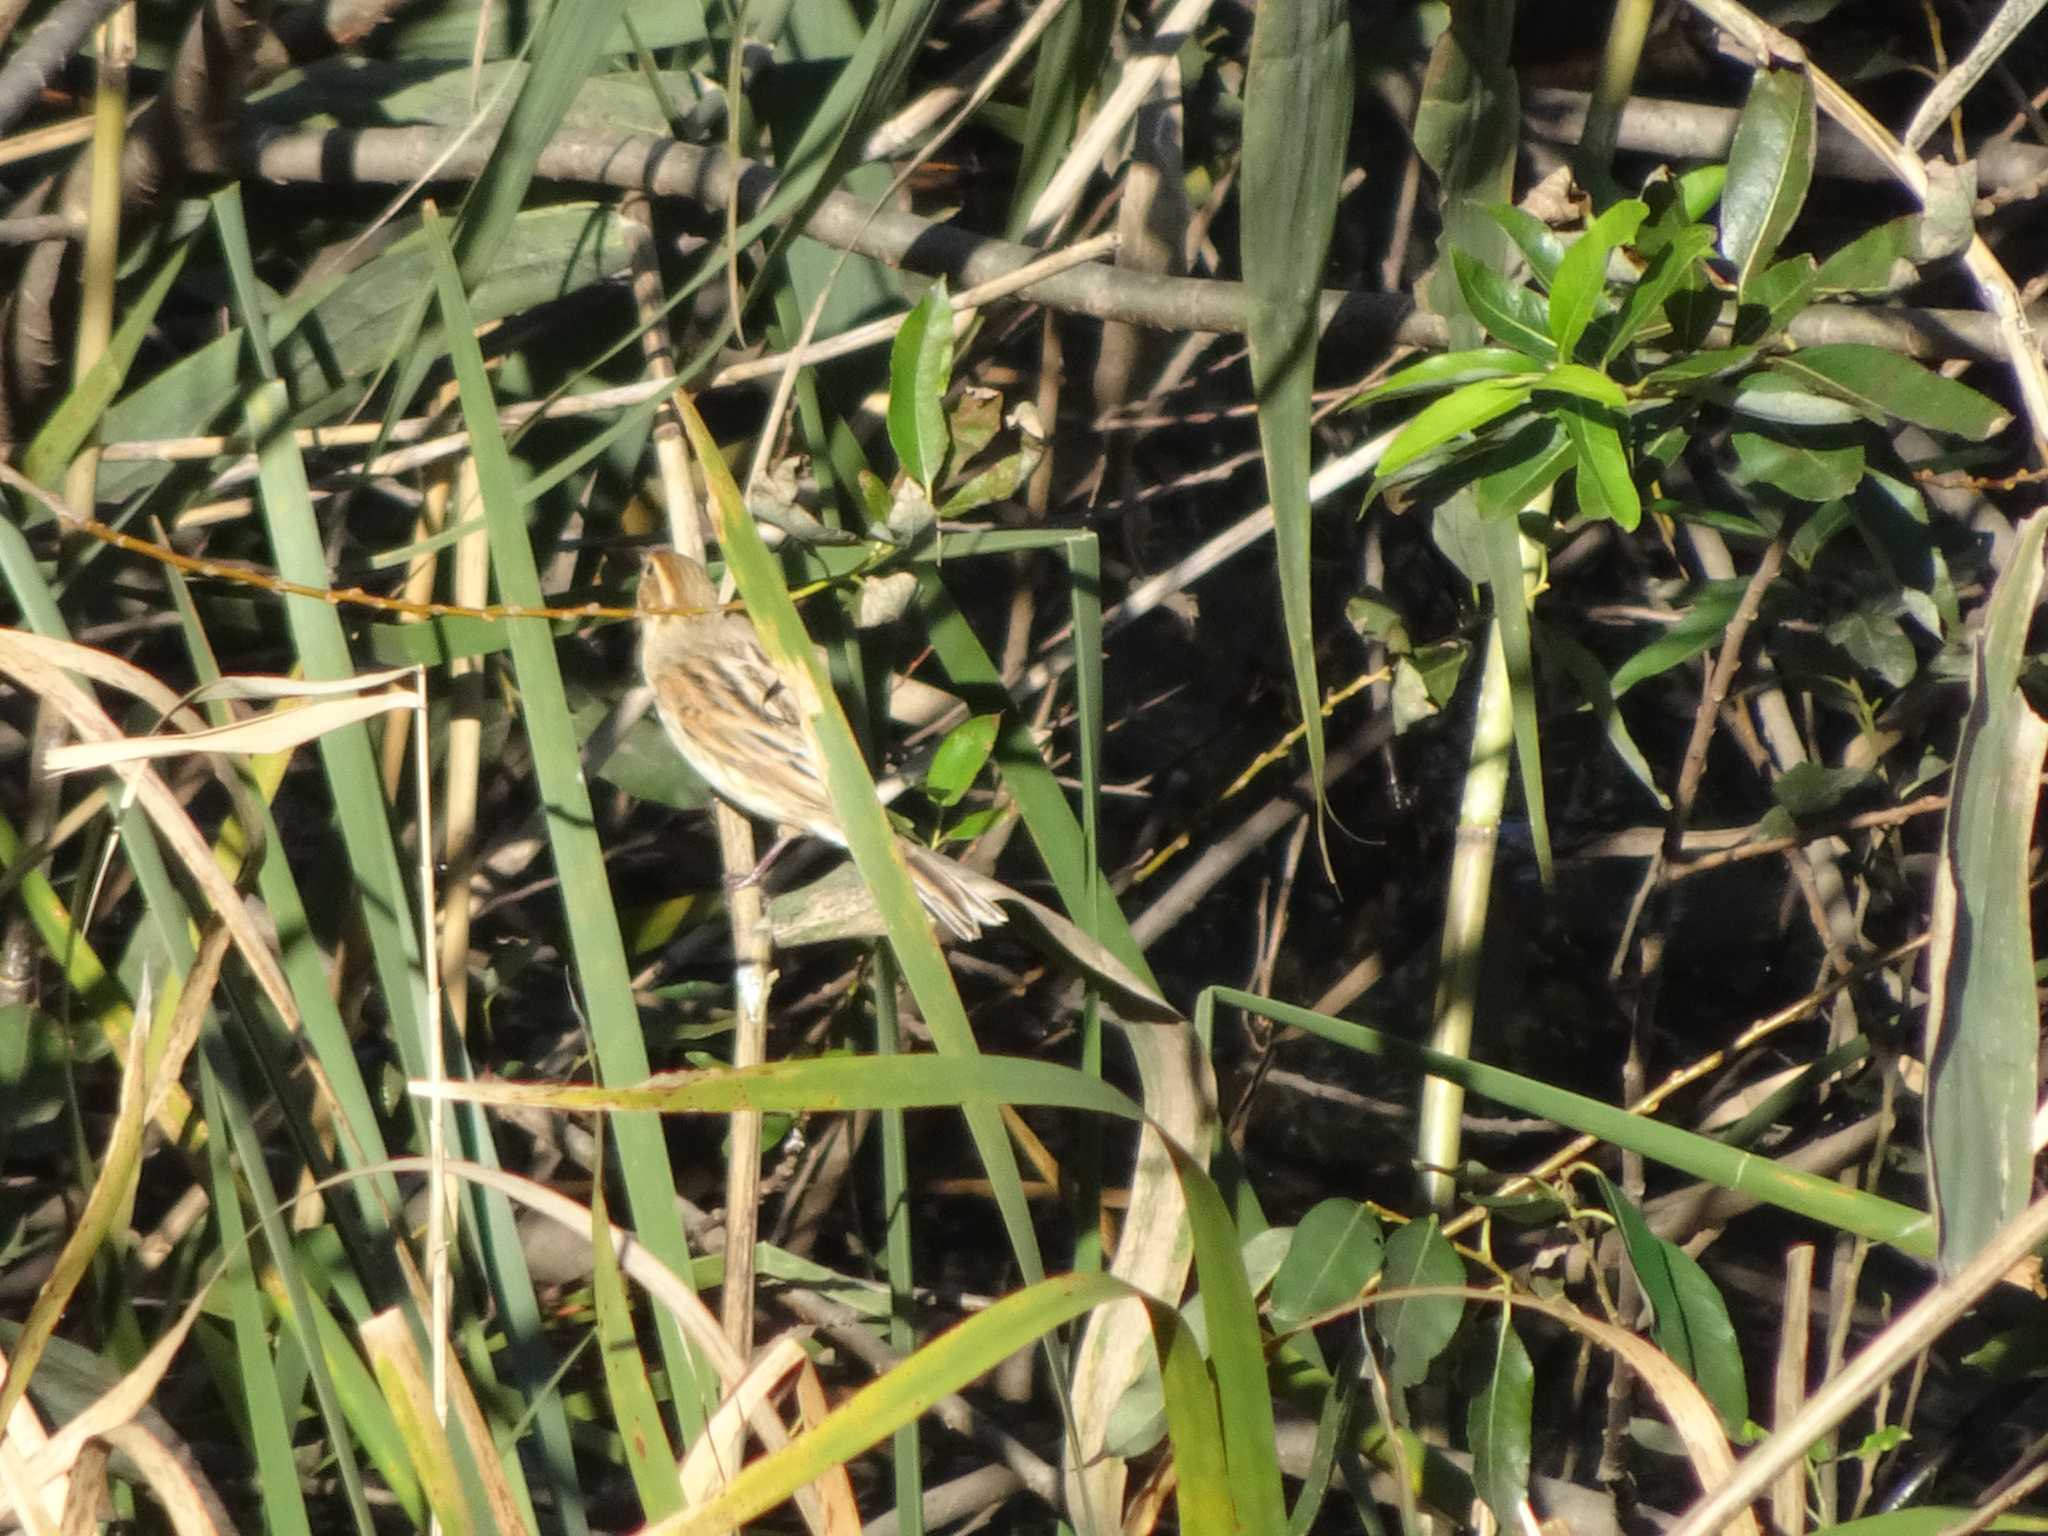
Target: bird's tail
959, 899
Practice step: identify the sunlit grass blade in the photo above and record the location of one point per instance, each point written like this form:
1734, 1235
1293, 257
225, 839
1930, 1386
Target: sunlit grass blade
592, 922
1804, 1194
870, 839
1297, 127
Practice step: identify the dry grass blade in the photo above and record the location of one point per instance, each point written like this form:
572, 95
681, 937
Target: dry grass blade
143, 1086
32, 662
277, 730
118, 1406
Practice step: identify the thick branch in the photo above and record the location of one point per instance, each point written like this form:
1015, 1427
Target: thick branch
669, 169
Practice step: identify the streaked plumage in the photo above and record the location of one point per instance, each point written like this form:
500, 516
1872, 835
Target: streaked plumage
735, 719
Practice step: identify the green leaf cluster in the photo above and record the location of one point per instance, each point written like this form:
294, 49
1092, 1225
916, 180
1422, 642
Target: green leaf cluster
1654, 330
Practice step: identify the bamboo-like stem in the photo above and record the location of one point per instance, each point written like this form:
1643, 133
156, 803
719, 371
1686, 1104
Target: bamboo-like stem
102, 226
1593, 161
1438, 1121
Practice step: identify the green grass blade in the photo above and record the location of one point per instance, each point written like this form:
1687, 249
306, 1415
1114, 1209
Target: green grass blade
269, 1417
1296, 130
1804, 1194
869, 836
1983, 1048
593, 927
649, 1457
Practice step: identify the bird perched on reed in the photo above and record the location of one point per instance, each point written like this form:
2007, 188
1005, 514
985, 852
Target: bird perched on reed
734, 716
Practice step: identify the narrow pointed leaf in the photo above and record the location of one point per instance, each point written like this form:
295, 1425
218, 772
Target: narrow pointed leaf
1461, 411
920, 364
1982, 1018
1297, 125
1498, 1424
1883, 383
1582, 274
1517, 316
1770, 166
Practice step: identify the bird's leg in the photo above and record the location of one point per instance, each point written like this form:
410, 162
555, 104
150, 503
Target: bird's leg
762, 865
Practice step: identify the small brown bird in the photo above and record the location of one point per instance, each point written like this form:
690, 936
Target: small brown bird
734, 717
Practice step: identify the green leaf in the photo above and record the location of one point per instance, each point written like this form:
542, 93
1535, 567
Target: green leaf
1463, 410
1770, 166
1501, 548
57, 442
1692, 1323
869, 836
1336, 1250
1543, 454
1582, 274
920, 366
1817, 531
1698, 627
1804, 467
1607, 488
1538, 242
972, 825
1297, 124
592, 927
1775, 297
1700, 1157
1875, 640
1692, 312
1780, 398
1586, 671
1882, 383
1511, 314
1874, 262
1982, 1015
959, 759
1467, 126
346, 326
1700, 189
1813, 789
1698, 366
1498, 1426
1448, 370
1071, 57
1583, 383
1672, 265
1415, 1330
